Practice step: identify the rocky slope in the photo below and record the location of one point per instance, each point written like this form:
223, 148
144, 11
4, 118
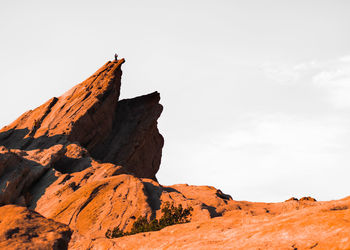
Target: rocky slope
21, 228
88, 160
90, 115
303, 225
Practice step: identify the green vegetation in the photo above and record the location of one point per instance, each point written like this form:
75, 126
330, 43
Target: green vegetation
171, 215
336, 208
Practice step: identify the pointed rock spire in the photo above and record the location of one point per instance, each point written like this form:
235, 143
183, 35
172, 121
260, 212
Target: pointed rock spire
88, 114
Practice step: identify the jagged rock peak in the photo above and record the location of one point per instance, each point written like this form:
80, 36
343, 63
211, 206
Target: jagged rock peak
89, 115
84, 113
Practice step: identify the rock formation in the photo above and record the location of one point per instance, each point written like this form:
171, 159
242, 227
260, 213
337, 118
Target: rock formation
320, 225
20, 169
21, 228
87, 162
90, 115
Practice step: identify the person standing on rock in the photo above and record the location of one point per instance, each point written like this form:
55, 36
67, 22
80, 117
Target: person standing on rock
116, 56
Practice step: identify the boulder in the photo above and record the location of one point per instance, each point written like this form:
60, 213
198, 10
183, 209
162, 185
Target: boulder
21, 228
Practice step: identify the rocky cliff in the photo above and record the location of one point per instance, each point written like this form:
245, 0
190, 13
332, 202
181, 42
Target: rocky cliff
89, 160
86, 162
91, 115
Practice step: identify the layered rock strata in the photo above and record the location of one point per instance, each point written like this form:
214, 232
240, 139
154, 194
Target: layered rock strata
21, 228
285, 225
89, 161
91, 115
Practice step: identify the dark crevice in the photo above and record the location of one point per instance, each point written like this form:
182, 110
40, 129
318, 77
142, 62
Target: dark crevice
38, 123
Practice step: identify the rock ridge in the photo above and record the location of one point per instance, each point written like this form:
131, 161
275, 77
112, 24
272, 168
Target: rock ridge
89, 115
86, 162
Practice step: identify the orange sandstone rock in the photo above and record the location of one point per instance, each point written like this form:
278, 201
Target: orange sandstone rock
325, 225
21, 228
90, 115
89, 160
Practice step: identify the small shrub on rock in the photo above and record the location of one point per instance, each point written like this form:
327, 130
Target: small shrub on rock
171, 215
115, 233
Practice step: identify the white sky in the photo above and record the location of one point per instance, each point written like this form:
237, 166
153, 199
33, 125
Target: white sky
256, 93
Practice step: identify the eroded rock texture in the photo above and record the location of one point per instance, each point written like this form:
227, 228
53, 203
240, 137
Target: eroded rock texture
135, 142
100, 198
84, 114
20, 169
124, 133
87, 161
86, 120
21, 228
290, 225
76, 146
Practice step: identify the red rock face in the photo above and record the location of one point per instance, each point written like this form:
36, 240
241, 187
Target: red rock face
21, 228
89, 161
20, 169
134, 142
120, 132
76, 146
84, 114
318, 225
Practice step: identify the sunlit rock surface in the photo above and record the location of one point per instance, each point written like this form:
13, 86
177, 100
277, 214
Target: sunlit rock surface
21, 228
87, 162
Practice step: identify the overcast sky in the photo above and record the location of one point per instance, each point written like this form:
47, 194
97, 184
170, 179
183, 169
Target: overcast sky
256, 94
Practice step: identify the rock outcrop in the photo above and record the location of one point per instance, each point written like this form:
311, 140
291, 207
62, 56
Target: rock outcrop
87, 161
21, 228
100, 198
91, 115
134, 142
84, 114
86, 120
20, 169
313, 225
